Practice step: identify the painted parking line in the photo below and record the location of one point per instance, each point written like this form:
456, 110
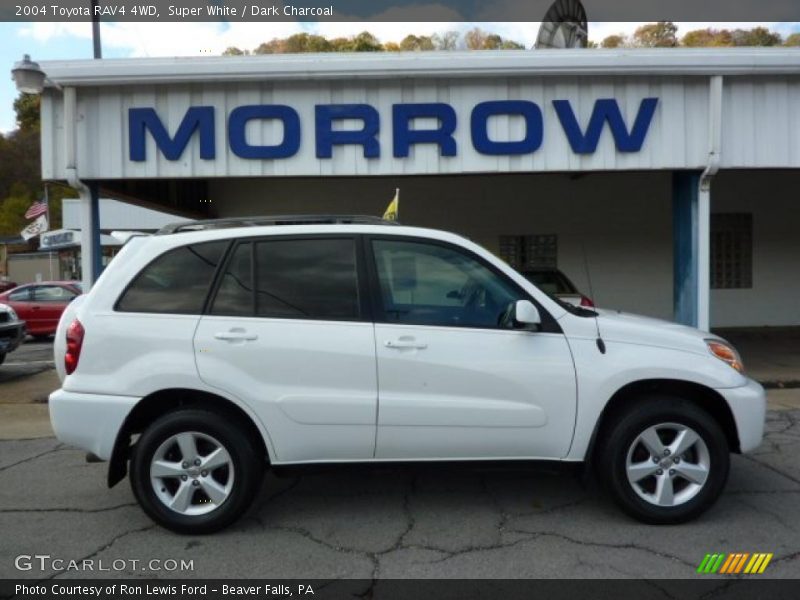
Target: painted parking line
29, 362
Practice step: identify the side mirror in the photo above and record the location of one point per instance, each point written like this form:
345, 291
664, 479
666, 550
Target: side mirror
526, 313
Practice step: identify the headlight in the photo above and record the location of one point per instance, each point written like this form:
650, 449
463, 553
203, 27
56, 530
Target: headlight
726, 353
12, 316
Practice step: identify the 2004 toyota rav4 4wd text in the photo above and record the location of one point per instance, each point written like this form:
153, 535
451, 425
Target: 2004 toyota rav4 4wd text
212, 350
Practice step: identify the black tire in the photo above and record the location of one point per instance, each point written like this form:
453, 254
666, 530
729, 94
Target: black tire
246, 468
619, 437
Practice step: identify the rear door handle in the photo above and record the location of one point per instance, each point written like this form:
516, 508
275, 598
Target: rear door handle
235, 336
402, 344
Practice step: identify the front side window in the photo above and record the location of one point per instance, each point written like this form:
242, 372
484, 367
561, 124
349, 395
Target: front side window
430, 284
177, 282
306, 279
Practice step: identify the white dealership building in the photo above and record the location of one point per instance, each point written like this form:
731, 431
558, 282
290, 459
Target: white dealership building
671, 176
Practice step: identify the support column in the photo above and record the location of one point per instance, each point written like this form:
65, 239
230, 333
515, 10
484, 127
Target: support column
691, 235
685, 188
88, 226
97, 250
704, 254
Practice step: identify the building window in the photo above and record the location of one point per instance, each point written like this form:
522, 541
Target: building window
731, 251
529, 251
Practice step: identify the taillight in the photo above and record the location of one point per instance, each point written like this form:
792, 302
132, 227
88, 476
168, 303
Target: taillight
74, 342
587, 302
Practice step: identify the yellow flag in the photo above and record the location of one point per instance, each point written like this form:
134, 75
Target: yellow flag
394, 207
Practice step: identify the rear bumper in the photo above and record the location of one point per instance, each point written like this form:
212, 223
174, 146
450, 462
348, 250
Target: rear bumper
90, 422
749, 406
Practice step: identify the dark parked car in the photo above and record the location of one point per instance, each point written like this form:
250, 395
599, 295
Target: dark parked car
12, 331
554, 282
40, 304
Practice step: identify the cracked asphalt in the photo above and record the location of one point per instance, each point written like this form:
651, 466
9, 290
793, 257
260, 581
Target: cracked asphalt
426, 521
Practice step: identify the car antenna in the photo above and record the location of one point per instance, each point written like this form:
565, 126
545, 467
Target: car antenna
601, 345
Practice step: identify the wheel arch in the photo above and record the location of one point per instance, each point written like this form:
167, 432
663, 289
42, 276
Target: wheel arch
702, 396
153, 406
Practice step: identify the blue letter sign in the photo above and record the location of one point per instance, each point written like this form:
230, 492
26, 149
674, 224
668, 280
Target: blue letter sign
605, 109
367, 137
237, 124
200, 120
197, 117
405, 137
534, 128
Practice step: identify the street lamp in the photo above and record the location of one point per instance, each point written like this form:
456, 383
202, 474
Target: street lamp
28, 76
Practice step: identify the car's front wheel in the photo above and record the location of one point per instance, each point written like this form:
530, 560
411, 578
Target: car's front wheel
664, 460
195, 471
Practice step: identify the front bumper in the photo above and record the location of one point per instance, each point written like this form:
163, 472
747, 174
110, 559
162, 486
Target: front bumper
90, 422
749, 406
11, 336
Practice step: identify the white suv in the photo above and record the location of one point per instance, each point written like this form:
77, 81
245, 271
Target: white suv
209, 351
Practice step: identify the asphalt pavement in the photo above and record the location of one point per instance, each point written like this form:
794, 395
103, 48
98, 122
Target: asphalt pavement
392, 522
428, 521
31, 357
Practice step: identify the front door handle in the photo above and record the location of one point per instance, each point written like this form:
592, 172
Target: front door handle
405, 343
235, 335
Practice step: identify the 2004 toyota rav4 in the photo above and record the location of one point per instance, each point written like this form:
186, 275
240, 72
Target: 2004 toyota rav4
211, 350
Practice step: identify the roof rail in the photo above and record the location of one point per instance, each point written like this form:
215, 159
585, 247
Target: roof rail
273, 220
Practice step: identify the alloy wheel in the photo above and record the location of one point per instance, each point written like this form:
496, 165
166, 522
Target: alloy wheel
668, 464
192, 473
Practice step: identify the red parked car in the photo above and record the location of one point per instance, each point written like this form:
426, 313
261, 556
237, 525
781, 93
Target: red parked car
40, 304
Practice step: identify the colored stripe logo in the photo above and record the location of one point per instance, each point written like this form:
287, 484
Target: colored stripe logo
735, 563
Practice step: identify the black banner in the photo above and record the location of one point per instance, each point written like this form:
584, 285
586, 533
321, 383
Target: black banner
745, 588
396, 10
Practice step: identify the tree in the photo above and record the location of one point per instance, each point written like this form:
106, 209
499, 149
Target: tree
305, 42
274, 46
417, 43
792, 40
366, 42
27, 107
234, 51
656, 35
478, 39
757, 36
475, 39
701, 38
446, 41
20, 174
392, 47
616, 40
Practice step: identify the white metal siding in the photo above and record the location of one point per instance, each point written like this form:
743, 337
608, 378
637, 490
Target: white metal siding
117, 215
676, 139
761, 126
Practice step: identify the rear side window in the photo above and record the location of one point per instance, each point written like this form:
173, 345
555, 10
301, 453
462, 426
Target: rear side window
306, 279
22, 295
52, 293
177, 282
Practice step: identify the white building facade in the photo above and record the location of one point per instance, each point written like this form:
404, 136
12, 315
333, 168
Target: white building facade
669, 176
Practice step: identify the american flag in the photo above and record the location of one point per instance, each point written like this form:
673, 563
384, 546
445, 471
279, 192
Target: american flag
37, 208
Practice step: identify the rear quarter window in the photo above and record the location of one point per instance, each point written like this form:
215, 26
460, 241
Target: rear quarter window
177, 282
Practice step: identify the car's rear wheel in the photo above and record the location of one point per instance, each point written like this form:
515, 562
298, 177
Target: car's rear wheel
664, 460
195, 471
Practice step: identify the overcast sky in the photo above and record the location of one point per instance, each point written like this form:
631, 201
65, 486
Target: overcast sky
74, 40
